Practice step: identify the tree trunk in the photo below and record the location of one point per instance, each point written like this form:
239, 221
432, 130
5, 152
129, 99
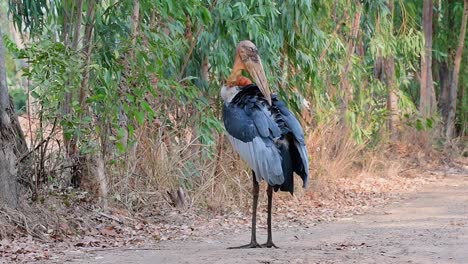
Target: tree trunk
205, 69
450, 125
124, 85
87, 48
345, 85
79, 19
124, 88
71, 32
71, 144
427, 95
135, 20
392, 97
93, 177
9, 194
95, 180
96, 164
445, 66
9, 152
445, 76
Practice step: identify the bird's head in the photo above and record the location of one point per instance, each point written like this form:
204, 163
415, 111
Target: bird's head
247, 59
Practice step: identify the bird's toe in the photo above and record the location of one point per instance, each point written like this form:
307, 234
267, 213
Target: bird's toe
269, 244
250, 245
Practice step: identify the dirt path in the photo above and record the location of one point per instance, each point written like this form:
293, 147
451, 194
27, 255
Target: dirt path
430, 226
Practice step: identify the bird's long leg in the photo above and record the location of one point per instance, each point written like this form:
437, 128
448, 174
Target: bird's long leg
269, 242
253, 239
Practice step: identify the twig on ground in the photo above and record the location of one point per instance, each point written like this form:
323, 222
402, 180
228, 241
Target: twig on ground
20, 220
112, 218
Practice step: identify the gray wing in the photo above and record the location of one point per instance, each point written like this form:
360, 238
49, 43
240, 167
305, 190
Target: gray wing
304, 172
264, 160
295, 128
252, 131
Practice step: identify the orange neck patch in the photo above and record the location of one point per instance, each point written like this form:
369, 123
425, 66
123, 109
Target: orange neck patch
236, 78
243, 81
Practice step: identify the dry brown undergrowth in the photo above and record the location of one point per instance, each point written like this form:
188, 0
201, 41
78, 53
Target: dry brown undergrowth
346, 178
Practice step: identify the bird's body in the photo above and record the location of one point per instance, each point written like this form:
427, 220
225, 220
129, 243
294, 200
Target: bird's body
263, 131
268, 137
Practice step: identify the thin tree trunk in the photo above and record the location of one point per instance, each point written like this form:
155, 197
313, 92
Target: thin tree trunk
65, 26
392, 97
378, 68
98, 171
95, 172
79, 19
127, 71
71, 144
135, 20
445, 67
445, 76
345, 85
284, 66
427, 96
124, 88
450, 125
205, 69
87, 48
95, 169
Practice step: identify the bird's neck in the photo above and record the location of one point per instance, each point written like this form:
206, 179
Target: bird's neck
236, 78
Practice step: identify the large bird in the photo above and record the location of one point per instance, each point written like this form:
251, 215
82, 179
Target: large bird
263, 131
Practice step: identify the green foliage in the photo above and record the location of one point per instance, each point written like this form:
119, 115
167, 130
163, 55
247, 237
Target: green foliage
159, 76
29, 14
20, 99
54, 70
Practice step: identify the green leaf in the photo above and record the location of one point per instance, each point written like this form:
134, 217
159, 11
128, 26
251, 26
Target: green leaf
140, 117
419, 125
429, 123
35, 95
206, 16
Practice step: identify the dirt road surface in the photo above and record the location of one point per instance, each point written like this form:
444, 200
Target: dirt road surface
430, 226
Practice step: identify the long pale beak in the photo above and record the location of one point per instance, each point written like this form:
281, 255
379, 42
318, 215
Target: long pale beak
255, 69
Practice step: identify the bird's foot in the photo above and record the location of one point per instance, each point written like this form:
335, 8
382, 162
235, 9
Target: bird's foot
269, 244
250, 245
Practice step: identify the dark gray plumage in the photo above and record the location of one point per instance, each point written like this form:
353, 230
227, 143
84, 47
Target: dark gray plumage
269, 138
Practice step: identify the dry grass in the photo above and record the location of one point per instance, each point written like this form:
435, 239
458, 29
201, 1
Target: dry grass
161, 163
346, 178
48, 217
333, 152
340, 166
165, 162
222, 182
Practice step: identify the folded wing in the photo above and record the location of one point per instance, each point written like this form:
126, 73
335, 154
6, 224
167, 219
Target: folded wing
269, 138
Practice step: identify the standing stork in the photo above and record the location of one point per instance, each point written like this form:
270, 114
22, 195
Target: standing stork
263, 131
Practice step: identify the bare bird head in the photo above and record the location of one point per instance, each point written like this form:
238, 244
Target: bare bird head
247, 58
